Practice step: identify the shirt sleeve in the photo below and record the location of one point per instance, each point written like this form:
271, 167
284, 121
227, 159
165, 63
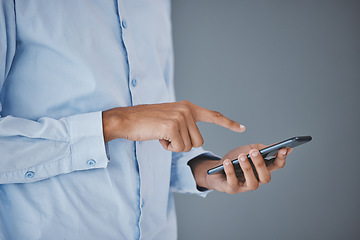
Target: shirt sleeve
35, 150
182, 178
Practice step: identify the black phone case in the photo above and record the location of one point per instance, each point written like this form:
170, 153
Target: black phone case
267, 152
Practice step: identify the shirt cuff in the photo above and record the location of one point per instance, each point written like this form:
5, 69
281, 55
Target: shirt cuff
87, 141
182, 178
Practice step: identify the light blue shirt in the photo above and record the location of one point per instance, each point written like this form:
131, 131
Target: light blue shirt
61, 64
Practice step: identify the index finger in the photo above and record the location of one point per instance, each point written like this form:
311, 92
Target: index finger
206, 115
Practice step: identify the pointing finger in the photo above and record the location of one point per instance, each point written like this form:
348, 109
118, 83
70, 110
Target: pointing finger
206, 115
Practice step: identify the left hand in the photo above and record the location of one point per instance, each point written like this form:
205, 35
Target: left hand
239, 180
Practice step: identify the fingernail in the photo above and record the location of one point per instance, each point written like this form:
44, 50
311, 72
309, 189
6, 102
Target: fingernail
285, 152
242, 158
242, 127
254, 153
227, 162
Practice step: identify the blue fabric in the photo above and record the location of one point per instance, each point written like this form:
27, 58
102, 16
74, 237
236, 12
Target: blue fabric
61, 64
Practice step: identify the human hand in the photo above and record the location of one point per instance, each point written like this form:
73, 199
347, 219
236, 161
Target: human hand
236, 180
173, 124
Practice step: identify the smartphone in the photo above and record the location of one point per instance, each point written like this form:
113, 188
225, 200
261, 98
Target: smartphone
268, 152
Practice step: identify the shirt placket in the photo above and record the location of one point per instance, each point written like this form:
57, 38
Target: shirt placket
133, 82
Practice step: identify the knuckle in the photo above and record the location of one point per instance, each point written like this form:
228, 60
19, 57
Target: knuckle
198, 142
259, 164
217, 114
246, 168
171, 124
179, 149
166, 127
281, 156
280, 164
253, 186
183, 108
185, 102
229, 172
177, 115
231, 190
201, 142
267, 179
187, 148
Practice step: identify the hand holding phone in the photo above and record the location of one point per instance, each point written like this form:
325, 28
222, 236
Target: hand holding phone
268, 152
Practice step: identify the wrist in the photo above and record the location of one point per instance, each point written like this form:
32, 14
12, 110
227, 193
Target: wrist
199, 167
113, 125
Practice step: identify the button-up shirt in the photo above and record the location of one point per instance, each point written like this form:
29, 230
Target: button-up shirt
61, 64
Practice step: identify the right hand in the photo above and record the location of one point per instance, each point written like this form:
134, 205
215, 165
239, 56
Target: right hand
173, 124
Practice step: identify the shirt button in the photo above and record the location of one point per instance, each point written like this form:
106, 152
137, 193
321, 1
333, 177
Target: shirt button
124, 24
29, 174
133, 82
91, 162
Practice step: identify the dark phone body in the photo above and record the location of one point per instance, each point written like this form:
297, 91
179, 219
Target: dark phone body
269, 151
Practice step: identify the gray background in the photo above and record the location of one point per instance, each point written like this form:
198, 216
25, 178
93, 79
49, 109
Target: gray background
282, 68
